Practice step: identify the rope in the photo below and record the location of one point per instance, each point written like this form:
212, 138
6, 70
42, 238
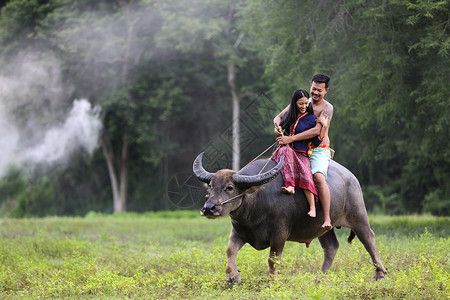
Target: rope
267, 162
231, 199
281, 131
262, 153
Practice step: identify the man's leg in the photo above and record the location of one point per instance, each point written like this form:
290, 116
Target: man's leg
324, 196
319, 166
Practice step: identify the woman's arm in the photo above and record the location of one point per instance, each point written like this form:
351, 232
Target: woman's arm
277, 119
305, 135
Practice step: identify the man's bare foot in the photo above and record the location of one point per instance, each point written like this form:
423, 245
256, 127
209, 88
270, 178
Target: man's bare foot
289, 189
327, 225
312, 213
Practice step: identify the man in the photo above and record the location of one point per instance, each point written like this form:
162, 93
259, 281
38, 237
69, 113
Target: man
320, 156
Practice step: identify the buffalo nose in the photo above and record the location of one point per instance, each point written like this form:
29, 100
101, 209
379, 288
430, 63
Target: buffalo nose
209, 209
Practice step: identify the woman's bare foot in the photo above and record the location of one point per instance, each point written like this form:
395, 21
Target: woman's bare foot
327, 225
312, 213
289, 189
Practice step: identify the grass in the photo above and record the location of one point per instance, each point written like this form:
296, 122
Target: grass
179, 255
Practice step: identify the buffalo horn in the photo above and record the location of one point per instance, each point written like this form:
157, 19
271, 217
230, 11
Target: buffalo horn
247, 181
199, 171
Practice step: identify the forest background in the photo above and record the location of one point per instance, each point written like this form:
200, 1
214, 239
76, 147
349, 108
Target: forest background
105, 104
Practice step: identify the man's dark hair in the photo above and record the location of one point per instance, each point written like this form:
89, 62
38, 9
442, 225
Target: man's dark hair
321, 78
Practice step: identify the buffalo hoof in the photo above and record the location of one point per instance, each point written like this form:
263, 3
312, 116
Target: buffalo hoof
234, 281
379, 275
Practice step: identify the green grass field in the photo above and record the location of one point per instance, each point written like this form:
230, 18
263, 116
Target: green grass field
180, 255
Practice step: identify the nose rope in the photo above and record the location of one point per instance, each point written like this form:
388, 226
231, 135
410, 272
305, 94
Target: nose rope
231, 199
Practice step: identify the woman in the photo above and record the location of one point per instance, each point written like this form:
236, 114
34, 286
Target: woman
296, 170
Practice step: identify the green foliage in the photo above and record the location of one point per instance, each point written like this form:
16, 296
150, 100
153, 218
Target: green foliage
177, 255
382, 201
56, 191
436, 203
21, 20
23, 197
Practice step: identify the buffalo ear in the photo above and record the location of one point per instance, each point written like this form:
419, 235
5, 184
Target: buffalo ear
252, 189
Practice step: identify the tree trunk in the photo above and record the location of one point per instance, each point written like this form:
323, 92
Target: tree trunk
109, 156
235, 135
119, 188
164, 165
124, 176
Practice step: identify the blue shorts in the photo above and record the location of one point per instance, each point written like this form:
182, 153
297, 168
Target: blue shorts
320, 159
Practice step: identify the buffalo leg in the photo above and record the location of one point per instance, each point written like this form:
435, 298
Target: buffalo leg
234, 245
367, 237
330, 245
276, 249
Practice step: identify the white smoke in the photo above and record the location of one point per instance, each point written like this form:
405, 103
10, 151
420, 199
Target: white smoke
80, 129
36, 125
9, 137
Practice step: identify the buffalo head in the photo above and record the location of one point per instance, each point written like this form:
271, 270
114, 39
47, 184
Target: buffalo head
226, 188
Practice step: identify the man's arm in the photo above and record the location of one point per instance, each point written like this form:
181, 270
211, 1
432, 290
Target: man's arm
325, 119
327, 111
305, 135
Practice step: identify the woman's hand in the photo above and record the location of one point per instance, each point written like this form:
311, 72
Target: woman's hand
322, 120
277, 133
278, 130
284, 140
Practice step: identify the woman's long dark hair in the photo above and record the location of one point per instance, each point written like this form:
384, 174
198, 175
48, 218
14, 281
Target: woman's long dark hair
292, 114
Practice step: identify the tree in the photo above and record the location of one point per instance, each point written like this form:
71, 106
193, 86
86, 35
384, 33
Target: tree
388, 63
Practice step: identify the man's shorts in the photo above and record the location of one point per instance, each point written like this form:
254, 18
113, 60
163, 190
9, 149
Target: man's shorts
320, 159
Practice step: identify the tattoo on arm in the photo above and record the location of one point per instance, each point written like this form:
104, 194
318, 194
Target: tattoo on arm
328, 111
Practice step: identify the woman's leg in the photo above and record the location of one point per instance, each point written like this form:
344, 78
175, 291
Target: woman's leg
288, 189
312, 206
287, 169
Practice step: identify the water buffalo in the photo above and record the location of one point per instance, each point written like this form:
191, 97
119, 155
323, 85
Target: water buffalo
263, 216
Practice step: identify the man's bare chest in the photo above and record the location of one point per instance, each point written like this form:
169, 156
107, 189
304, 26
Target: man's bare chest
318, 110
